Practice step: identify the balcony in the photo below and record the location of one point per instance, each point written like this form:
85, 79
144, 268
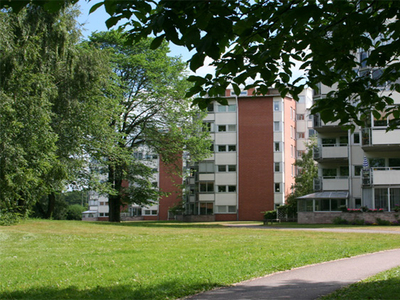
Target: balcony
321, 126
334, 183
377, 139
328, 153
381, 176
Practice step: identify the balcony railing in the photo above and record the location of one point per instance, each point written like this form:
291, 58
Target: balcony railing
379, 137
381, 175
330, 151
331, 183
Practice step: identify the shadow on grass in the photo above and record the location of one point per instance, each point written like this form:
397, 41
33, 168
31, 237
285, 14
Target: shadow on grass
168, 224
380, 289
167, 290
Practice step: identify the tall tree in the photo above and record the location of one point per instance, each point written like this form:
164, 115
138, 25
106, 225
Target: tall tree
304, 180
153, 112
53, 95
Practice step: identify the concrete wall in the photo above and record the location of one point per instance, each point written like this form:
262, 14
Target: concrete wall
327, 217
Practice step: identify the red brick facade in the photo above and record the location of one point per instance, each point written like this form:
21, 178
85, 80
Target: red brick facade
255, 145
169, 182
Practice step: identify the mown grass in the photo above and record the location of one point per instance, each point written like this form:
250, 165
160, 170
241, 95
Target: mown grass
385, 285
157, 260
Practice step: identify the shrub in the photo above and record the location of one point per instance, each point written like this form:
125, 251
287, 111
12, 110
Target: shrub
9, 218
270, 214
382, 222
364, 208
358, 222
340, 221
343, 208
74, 212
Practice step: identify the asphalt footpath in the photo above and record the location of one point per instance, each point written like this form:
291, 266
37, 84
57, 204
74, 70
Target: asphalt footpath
308, 282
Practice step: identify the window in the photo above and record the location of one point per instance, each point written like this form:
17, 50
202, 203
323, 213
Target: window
329, 173
226, 168
301, 135
277, 106
232, 128
356, 138
221, 128
291, 132
231, 148
227, 108
154, 184
277, 167
210, 107
300, 117
344, 171
328, 142
277, 146
344, 140
224, 128
206, 187
292, 170
394, 198
377, 162
291, 151
381, 198
394, 162
226, 209
101, 214
207, 126
357, 202
277, 187
277, 126
357, 170
206, 167
221, 148
226, 188
221, 168
311, 132
291, 113
154, 212
231, 188
206, 208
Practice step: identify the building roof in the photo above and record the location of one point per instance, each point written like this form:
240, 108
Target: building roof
326, 195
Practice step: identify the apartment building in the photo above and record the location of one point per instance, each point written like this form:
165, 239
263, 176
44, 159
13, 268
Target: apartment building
162, 178
356, 168
255, 146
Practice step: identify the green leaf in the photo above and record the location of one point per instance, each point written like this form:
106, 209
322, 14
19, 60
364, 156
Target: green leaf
111, 22
95, 7
157, 42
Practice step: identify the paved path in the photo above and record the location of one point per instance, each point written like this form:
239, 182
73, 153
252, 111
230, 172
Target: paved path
309, 282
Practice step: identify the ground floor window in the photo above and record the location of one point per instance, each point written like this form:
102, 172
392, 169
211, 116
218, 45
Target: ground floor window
387, 198
206, 208
225, 209
309, 205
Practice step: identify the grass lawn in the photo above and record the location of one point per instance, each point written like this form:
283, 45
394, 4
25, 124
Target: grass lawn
385, 285
157, 260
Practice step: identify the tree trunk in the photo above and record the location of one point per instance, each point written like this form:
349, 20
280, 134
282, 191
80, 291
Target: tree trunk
51, 205
114, 201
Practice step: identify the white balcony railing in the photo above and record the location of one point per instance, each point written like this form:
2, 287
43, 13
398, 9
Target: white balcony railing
384, 175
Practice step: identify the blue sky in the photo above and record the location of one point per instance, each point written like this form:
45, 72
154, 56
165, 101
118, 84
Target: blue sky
96, 22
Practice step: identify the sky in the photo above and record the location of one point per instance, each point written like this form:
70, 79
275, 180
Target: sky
96, 22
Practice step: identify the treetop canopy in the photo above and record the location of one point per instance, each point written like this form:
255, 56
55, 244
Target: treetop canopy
262, 40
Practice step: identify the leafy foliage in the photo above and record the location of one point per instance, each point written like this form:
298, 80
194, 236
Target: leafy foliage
304, 180
53, 106
263, 40
154, 113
